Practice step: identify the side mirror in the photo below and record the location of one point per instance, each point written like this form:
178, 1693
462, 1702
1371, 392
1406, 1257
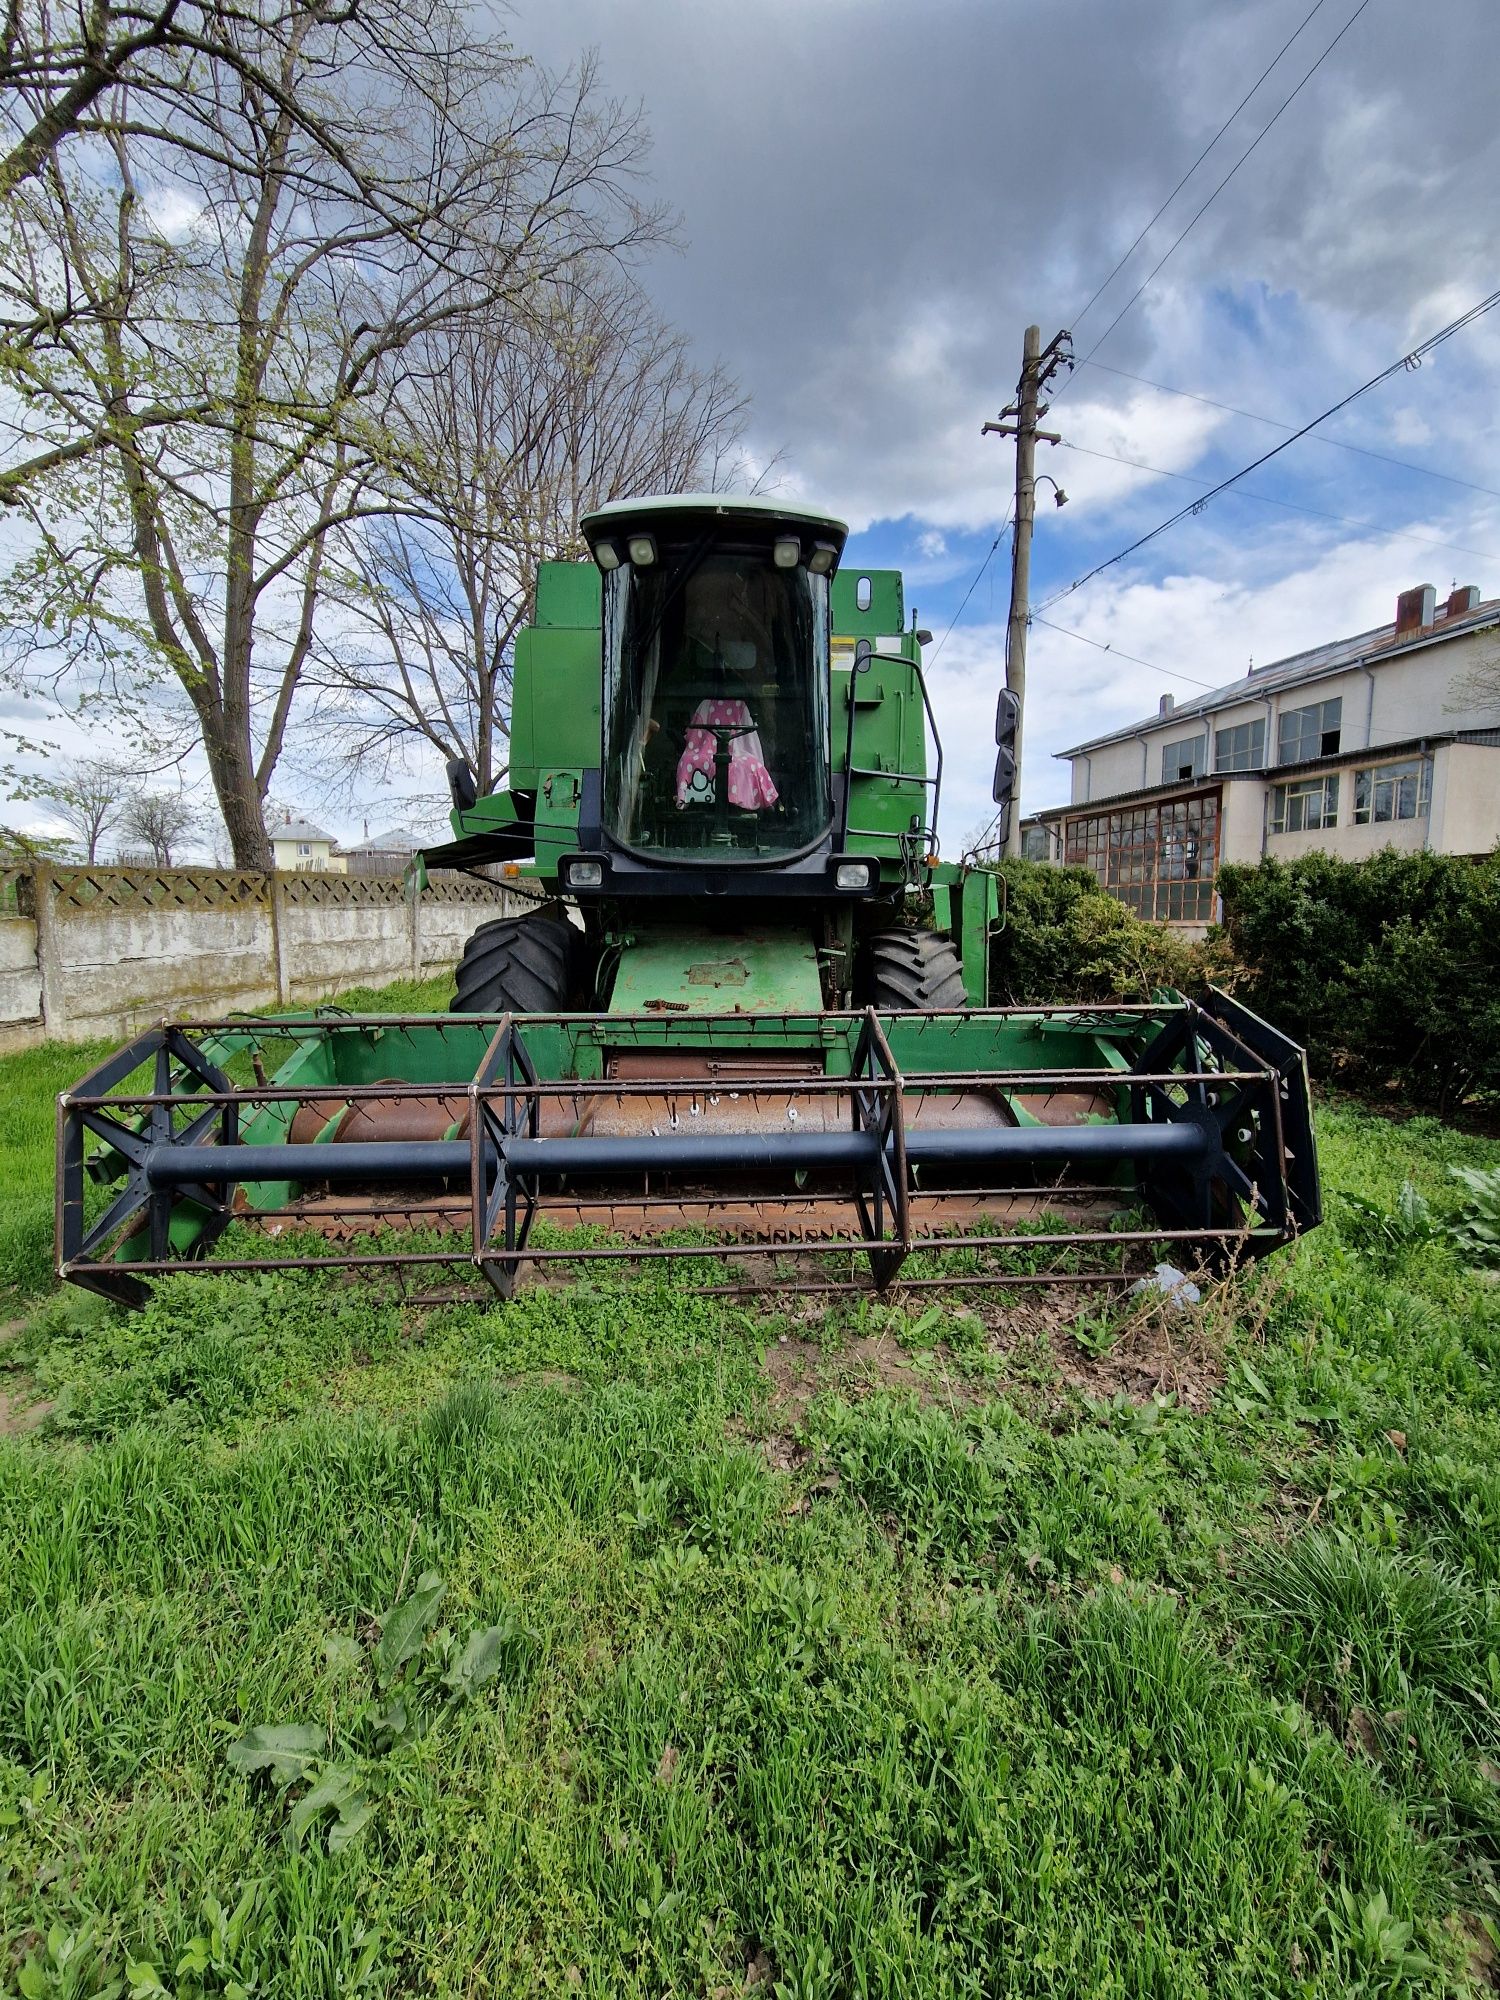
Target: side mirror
461, 786
1007, 716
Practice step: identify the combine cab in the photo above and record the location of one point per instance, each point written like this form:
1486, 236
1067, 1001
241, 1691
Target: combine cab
743, 1016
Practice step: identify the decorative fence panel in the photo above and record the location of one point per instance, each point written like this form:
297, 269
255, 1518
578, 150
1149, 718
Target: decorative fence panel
90, 952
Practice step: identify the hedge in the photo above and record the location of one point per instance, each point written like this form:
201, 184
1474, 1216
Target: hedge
1064, 938
1388, 970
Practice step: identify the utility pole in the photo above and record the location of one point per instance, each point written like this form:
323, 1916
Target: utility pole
1038, 365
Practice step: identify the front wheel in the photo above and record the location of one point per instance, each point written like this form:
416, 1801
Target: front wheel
909, 971
531, 964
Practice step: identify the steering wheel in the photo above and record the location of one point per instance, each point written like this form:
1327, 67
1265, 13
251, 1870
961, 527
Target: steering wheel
724, 734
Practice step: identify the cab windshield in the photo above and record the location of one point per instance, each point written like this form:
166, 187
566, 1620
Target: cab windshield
715, 709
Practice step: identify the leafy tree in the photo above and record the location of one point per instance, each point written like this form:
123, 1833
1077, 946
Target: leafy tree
210, 313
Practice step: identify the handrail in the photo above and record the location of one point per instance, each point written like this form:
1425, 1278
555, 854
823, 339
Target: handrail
861, 663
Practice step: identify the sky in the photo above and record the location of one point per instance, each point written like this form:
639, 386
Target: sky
877, 198
874, 200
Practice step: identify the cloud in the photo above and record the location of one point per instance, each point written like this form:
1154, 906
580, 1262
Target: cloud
873, 213
873, 210
1204, 626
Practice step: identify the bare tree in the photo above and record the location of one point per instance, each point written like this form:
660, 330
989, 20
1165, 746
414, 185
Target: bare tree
225, 321
89, 798
514, 431
1478, 688
158, 821
58, 60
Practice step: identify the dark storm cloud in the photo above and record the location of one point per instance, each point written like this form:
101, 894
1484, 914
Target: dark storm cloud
877, 197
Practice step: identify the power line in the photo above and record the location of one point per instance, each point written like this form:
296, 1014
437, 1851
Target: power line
1116, 654
974, 585
1140, 239
1203, 208
1276, 423
1295, 506
1407, 361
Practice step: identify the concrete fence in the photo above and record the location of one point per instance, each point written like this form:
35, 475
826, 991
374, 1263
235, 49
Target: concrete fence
90, 952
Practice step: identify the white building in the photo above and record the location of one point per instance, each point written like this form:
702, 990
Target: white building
1388, 739
298, 844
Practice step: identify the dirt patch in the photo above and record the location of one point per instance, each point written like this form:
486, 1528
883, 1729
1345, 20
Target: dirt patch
21, 1412
802, 1369
1164, 1355
1069, 1343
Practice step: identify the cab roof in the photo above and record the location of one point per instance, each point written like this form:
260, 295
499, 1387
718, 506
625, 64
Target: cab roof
729, 506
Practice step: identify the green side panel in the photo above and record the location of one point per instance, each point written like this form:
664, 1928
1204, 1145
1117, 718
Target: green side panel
555, 692
569, 593
890, 753
979, 912
886, 615
752, 972
448, 1048
494, 813
558, 797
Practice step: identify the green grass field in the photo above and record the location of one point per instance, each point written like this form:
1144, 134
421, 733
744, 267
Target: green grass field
623, 1640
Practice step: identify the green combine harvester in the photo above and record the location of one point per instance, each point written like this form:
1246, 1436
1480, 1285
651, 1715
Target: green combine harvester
743, 1015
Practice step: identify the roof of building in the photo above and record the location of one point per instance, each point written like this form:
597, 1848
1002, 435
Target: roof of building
399, 840
297, 829
1297, 668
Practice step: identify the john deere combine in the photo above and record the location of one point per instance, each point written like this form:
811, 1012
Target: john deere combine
743, 1014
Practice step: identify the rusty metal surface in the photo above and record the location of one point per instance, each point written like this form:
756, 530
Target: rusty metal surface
390, 1117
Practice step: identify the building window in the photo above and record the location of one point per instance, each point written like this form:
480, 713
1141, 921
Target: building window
1393, 791
1305, 733
303, 848
1242, 747
1160, 859
1182, 760
1305, 807
1035, 846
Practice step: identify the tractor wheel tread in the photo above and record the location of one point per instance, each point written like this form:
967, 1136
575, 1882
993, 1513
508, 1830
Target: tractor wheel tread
487, 953
906, 971
519, 965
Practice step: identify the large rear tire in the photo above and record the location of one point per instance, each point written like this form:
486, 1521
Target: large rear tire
909, 970
521, 965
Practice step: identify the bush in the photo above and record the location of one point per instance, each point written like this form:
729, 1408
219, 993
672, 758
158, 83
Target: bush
1065, 938
1388, 970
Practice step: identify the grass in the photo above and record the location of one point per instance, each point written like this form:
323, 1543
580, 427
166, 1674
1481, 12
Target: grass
983, 1675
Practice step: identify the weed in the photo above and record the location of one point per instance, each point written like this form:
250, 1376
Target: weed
1477, 1229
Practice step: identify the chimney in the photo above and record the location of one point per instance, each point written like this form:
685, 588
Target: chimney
1166, 705
1465, 598
1414, 610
